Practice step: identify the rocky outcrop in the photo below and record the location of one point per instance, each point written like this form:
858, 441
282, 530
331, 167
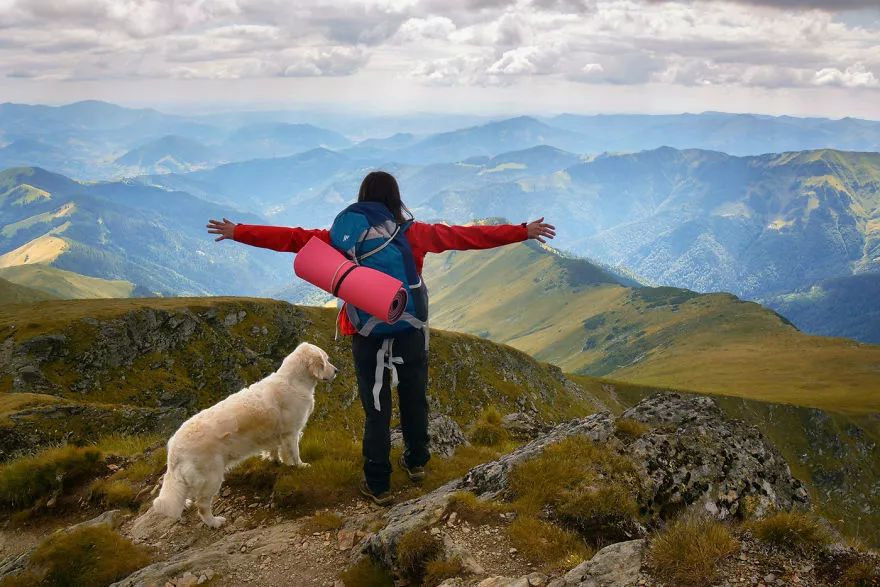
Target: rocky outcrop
489, 479
693, 456
444, 433
522, 425
690, 456
32, 428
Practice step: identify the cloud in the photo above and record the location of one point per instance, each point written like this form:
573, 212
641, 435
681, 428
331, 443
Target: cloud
826, 5
854, 76
481, 43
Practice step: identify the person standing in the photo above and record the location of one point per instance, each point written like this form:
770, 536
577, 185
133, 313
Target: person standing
375, 362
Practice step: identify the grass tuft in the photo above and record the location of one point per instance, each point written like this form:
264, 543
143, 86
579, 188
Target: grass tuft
323, 522
796, 531
366, 573
629, 429
438, 570
124, 445
861, 574
113, 493
487, 430
547, 544
87, 556
470, 508
415, 550
53, 471
584, 484
607, 511
688, 551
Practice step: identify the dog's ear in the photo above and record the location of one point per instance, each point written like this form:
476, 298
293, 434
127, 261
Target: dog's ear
315, 363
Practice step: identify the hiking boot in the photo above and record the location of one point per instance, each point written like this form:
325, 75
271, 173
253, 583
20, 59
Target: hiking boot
383, 499
415, 474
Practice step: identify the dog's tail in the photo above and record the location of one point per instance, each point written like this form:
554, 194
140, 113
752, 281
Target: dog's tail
172, 497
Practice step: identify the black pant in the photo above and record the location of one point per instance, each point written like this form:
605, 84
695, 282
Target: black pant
411, 389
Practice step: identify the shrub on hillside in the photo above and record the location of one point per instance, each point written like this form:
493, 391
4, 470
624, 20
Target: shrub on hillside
628, 429
366, 573
438, 570
861, 574
687, 552
94, 556
547, 544
53, 471
487, 430
415, 550
584, 485
797, 531
117, 493
470, 508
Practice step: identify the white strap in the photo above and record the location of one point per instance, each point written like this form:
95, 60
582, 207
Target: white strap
385, 359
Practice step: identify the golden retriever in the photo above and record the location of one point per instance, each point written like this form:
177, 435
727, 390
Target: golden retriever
267, 417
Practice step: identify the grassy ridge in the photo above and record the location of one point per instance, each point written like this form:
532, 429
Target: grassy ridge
13, 293
210, 347
58, 283
663, 337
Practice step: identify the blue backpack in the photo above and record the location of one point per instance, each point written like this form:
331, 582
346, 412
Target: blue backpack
368, 234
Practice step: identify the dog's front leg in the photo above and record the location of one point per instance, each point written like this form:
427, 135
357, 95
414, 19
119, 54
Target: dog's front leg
290, 450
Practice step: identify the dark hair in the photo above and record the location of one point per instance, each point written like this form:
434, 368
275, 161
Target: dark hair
380, 186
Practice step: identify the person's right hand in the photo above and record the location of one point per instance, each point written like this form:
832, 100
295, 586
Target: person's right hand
225, 229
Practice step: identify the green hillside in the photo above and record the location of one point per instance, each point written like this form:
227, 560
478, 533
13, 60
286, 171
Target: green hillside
844, 306
14, 293
574, 315
57, 283
137, 367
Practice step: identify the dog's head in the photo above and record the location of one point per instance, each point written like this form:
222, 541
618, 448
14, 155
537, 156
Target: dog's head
313, 361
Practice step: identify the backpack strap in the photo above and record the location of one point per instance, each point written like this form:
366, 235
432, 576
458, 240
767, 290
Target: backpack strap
359, 258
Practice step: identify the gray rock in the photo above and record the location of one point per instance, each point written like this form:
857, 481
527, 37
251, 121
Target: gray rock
523, 425
487, 480
616, 565
444, 434
695, 458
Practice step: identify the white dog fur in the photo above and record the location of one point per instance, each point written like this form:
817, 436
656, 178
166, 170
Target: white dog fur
267, 417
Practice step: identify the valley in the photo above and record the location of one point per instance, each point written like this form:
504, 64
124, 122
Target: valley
588, 320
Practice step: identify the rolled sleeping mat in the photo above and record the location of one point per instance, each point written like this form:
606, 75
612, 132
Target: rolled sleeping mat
365, 288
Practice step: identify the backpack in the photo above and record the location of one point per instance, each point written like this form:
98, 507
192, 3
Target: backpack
368, 234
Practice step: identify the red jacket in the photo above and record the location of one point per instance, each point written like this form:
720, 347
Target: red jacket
423, 239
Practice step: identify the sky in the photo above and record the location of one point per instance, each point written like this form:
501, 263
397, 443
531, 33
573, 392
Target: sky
796, 57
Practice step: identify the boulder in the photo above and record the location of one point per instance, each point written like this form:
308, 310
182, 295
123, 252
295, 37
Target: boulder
523, 425
445, 435
616, 565
693, 457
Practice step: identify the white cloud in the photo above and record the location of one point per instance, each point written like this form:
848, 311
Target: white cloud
768, 44
854, 76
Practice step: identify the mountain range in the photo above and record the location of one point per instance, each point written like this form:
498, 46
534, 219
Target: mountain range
588, 320
152, 238
87, 139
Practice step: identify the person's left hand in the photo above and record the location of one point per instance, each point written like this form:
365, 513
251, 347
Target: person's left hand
538, 230
225, 229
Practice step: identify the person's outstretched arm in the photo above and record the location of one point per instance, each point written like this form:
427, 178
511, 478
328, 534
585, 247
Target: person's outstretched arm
436, 238
277, 238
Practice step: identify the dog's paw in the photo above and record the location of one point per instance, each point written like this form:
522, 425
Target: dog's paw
302, 465
187, 503
215, 522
